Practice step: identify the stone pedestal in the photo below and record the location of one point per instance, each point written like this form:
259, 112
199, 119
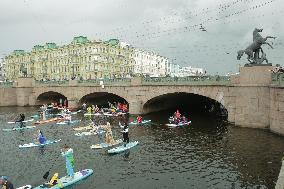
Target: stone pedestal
256, 75
73, 104
252, 97
135, 107
73, 82
25, 82
136, 81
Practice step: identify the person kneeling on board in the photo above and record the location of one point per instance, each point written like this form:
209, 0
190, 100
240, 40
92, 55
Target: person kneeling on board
41, 138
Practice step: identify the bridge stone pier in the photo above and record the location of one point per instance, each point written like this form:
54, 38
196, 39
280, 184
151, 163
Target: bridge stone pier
254, 98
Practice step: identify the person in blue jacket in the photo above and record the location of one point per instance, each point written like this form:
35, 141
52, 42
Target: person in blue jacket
41, 138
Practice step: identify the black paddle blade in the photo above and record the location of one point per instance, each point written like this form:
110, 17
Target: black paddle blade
45, 176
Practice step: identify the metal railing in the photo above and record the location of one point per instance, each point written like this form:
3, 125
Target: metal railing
278, 79
190, 80
6, 84
51, 83
106, 82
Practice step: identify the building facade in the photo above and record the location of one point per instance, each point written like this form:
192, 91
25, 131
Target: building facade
150, 64
81, 59
2, 69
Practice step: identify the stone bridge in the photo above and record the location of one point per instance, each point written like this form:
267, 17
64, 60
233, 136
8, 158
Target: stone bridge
254, 98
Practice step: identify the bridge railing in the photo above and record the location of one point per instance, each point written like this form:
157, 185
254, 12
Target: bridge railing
190, 80
6, 84
106, 82
278, 79
51, 83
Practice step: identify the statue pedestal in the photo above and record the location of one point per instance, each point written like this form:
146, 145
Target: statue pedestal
256, 75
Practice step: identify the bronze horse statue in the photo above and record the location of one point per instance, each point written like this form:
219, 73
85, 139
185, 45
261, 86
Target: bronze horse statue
253, 49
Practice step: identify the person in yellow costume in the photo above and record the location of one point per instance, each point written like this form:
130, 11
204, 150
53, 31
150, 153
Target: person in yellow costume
108, 136
54, 180
89, 110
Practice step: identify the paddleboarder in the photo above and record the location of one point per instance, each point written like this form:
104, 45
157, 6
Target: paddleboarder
6, 184
125, 134
139, 119
21, 119
67, 152
41, 138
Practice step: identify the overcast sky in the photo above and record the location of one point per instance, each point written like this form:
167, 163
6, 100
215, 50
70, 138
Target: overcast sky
168, 27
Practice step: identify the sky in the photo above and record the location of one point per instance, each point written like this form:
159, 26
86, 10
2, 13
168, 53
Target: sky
170, 28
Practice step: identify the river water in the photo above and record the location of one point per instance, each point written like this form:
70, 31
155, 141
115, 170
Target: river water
207, 154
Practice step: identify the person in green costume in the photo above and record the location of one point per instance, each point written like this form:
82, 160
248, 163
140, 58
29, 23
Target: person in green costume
67, 152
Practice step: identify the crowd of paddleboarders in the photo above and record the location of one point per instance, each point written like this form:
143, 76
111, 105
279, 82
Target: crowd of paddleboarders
99, 125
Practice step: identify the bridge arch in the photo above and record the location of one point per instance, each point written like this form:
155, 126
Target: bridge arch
48, 97
101, 98
193, 98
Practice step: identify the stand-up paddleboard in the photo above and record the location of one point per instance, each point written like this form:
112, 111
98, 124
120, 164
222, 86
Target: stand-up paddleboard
122, 148
110, 114
143, 122
12, 122
48, 120
95, 114
179, 124
25, 187
38, 144
83, 128
105, 145
35, 116
68, 122
67, 181
121, 113
19, 128
89, 133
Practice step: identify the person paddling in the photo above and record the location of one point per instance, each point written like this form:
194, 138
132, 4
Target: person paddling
21, 119
6, 184
125, 134
67, 152
139, 119
41, 138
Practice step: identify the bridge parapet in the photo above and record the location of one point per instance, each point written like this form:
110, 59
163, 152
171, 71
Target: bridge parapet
278, 79
191, 80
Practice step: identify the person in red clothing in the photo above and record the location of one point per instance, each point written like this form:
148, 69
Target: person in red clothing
177, 114
139, 119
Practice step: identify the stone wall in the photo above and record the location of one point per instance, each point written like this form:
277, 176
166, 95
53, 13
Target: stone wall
8, 97
252, 97
277, 110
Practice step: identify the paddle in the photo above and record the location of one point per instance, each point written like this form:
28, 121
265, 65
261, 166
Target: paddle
45, 176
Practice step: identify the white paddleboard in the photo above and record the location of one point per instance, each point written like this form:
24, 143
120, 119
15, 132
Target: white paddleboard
25, 187
105, 145
122, 148
48, 142
13, 122
143, 122
88, 133
67, 181
178, 125
19, 128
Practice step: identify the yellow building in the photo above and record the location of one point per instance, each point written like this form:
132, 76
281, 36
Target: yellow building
82, 59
